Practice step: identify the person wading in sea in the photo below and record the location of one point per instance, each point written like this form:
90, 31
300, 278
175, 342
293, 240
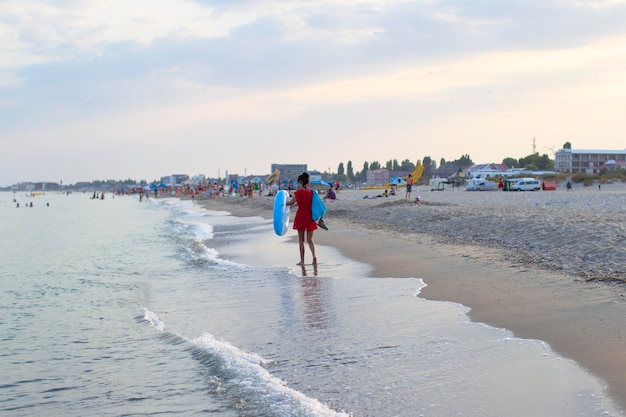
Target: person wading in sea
303, 221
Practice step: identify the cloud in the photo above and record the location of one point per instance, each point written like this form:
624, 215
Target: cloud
333, 72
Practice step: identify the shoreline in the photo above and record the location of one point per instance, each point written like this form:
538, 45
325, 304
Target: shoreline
580, 315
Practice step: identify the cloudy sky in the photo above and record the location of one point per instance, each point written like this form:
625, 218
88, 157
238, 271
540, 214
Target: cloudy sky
114, 89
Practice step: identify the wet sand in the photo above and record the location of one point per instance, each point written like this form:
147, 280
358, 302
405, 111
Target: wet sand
545, 265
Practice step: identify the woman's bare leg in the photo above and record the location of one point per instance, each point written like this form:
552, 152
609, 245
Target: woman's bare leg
301, 244
309, 239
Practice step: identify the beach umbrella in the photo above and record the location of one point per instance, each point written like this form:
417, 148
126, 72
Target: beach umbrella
321, 182
397, 181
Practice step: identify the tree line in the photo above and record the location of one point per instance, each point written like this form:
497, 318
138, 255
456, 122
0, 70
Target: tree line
534, 162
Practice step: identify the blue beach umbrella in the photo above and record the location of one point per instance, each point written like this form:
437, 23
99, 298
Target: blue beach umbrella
397, 181
321, 182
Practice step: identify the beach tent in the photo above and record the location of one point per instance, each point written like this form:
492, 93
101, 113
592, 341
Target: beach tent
548, 185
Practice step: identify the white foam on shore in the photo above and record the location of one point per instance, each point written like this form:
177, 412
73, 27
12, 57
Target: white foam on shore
243, 377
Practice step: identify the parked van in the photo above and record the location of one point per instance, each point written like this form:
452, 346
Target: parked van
480, 185
526, 184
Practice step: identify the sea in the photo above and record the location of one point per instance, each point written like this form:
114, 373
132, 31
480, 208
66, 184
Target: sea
160, 307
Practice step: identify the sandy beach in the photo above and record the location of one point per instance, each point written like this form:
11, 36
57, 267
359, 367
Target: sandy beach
546, 265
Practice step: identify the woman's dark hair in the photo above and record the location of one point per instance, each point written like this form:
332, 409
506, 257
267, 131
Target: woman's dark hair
304, 178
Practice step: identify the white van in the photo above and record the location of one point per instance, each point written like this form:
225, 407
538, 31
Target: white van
526, 184
480, 185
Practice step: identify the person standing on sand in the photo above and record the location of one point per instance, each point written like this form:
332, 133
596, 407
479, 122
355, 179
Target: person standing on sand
409, 187
303, 221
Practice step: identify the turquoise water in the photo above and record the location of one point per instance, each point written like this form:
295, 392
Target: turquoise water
118, 307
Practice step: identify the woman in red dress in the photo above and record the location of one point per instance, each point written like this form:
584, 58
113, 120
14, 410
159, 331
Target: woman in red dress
303, 222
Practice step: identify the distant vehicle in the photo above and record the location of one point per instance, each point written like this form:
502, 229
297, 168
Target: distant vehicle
480, 185
526, 184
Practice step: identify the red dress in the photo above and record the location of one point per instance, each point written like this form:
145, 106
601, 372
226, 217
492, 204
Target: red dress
304, 216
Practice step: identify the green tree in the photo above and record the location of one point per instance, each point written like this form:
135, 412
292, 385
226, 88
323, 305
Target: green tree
362, 175
392, 165
340, 170
350, 171
567, 145
545, 163
537, 162
465, 161
374, 165
430, 166
510, 162
407, 165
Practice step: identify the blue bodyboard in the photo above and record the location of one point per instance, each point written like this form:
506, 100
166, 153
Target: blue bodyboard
318, 209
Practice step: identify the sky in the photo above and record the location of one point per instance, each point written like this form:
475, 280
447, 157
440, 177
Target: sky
112, 89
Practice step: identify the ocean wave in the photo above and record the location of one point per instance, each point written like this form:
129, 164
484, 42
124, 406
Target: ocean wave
241, 377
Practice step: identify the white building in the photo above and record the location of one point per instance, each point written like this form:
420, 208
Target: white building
199, 179
490, 170
585, 161
175, 179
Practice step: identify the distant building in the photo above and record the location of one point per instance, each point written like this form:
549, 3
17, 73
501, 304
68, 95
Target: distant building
176, 179
289, 171
579, 161
36, 186
199, 179
489, 170
383, 176
26, 186
613, 165
377, 176
47, 186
